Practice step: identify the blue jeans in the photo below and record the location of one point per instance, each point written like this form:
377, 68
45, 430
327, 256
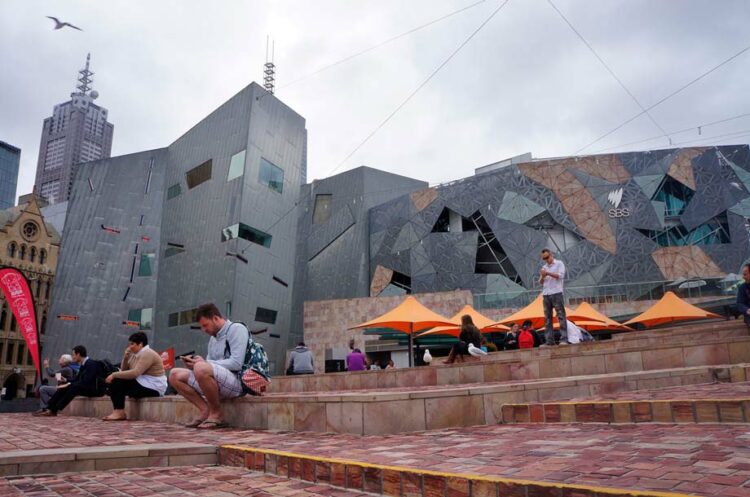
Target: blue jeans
557, 302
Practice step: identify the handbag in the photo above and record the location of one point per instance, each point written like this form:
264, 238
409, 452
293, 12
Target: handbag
254, 381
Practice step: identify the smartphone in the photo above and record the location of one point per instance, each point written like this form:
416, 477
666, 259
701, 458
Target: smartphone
189, 355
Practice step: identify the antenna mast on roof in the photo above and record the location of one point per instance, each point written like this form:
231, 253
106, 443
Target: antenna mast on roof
269, 69
84, 78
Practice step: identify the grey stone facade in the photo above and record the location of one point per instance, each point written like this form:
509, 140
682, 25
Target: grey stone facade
232, 178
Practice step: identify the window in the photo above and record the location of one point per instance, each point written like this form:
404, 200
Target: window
3, 318
199, 174
42, 256
713, 232
9, 354
146, 268
46, 290
38, 288
174, 319
182, 317
263, 315
141, 316
12, 249
32, 254
322, 209
22, 252
21, 351
173, 191
173, 249
675, 196
236, 166
246, 232
270, 175
229, 309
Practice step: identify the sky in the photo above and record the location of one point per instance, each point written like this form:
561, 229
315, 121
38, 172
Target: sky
524, 83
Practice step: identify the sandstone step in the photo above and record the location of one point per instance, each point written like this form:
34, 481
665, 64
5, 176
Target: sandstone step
407, 409
730, 345
77, 459
515, 460
224, 481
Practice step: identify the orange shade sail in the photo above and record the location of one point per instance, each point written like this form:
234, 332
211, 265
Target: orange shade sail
591, 315
485, 324
671, 308
410, 316
534, 312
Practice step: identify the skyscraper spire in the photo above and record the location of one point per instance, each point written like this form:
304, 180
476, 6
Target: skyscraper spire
84, 78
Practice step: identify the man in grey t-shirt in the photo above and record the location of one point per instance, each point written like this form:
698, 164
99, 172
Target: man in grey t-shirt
551, 277
206, 381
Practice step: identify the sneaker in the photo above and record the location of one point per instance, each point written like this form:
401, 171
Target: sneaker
48, 413
40, 412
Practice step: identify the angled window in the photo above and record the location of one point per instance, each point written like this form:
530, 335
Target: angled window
241, 230
675, 196
199, 174
713, 232
173, 191
322, 209
142, 317
263, 315
174, 319
173, 249
236, 166
271, 175
146, 267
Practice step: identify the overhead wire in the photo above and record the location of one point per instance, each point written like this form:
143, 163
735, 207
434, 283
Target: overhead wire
419, 87
380, 44
606, 66
677, 132
664, 99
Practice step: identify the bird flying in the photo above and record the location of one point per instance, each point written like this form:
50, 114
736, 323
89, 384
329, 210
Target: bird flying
60, 25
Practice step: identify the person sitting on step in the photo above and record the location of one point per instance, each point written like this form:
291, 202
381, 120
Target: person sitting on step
141, 375
469, 335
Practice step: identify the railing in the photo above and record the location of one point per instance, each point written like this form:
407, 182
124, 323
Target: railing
612, 293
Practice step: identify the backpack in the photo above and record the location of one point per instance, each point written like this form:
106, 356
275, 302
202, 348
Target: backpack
525, 340
105, 369
253, 374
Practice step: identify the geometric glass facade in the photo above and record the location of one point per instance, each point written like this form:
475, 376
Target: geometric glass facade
10, 158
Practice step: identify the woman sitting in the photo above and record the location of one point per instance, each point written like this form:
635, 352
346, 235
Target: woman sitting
142, 375
470, 334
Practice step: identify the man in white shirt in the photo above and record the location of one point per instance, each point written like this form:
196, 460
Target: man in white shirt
551, 277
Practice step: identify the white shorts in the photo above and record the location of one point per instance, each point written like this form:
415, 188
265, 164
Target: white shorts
229, 385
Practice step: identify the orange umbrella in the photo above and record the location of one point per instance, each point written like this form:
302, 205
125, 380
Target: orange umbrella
592, 315
485, 324
671, 308
409, 317
534, 312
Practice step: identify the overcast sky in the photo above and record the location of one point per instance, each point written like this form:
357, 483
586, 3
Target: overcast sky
524, 83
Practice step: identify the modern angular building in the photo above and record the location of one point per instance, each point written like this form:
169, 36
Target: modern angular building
77, 131
10, 159
150, 236
624, 224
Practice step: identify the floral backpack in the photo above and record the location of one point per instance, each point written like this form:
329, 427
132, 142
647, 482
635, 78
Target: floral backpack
254, 374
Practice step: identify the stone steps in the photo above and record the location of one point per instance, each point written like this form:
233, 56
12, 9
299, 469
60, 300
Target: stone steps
412, 409
65, 460
696, 345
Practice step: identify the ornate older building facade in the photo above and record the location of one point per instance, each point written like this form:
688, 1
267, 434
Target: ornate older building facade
30, 244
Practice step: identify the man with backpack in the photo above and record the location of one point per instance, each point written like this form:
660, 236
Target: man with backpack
89, 382
207, 381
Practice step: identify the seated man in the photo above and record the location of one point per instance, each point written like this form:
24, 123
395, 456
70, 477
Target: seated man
743, 295
206, 381
62, 376
89, 382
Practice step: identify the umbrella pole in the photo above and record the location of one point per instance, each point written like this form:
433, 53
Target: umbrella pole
411, 344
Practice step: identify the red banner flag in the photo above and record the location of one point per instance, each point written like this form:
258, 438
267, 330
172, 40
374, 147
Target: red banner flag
167, 358
15, 287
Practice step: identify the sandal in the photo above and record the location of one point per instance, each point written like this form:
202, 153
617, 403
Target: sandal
107, 418
194, 423
212, 424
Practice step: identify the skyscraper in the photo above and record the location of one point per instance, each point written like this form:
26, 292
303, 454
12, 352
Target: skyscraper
10, 157
77, 131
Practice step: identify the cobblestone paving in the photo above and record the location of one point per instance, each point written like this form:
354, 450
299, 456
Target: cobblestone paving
706, 459
713, 391
206, 481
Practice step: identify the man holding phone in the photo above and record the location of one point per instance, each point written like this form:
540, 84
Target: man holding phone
204, 382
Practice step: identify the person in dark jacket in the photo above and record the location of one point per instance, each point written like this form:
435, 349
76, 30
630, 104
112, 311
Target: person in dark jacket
62, 376
743, 295
301, 360
470, 334
89, 382
511, 338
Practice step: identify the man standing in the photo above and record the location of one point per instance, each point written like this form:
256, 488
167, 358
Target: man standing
206, 381
89, 382
551, 277
743, 294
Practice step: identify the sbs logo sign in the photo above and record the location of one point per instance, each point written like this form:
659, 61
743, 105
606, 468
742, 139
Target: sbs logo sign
615, 198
